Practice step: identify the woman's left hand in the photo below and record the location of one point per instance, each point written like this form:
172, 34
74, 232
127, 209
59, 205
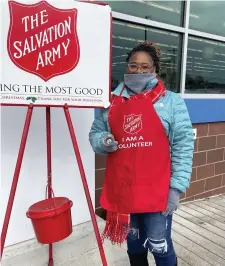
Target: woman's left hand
173, 202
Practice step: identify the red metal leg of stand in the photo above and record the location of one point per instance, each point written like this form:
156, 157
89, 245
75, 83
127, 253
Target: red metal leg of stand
85, 184
16, 177
49, 169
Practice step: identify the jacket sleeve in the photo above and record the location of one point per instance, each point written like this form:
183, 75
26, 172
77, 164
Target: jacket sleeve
98, 130
182, 146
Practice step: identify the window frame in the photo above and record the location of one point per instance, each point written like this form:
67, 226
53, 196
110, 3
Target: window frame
186, 32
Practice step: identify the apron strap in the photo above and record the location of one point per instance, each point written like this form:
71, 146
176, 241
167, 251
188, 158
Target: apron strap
159, 91
122, 90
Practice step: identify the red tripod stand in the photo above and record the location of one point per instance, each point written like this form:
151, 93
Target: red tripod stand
49, 168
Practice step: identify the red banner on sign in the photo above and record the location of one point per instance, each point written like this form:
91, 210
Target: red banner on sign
42, 39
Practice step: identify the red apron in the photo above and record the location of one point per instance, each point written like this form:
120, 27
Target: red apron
138, 174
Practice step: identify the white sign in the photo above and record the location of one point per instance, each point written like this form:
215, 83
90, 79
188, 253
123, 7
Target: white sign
56, 52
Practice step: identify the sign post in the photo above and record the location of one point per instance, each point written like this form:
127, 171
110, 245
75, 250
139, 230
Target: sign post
49, 168
49, 61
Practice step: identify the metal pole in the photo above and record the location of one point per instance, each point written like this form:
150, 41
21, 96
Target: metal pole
49, 170
85, 184
16, 176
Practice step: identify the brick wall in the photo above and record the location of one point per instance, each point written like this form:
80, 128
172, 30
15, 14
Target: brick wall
208, 176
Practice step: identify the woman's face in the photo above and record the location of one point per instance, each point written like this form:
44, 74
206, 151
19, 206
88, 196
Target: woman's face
139, 63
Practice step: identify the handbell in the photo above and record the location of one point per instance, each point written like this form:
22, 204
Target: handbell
108, 139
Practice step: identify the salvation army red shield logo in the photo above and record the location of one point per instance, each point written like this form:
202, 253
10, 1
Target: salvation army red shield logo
42, 39
132, 123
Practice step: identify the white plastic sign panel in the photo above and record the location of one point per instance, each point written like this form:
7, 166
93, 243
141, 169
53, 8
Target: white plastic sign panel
56, 52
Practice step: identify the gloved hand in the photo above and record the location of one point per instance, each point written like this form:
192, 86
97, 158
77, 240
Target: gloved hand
108, 143
173, 201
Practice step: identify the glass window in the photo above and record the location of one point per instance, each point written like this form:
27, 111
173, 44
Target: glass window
208, 16
170, 12
205, 66
126, 36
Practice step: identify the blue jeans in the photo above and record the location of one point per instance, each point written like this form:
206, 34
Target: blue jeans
152, 231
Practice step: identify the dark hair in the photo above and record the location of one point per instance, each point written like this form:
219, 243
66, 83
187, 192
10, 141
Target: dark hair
152, 49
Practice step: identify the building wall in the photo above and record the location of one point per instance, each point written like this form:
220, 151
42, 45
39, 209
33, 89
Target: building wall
208, 176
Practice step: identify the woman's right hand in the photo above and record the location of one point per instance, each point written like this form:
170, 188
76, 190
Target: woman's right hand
109, 144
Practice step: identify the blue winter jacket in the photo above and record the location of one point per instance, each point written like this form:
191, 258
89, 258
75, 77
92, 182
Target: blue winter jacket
173, 113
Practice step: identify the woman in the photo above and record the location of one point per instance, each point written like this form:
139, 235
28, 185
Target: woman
147, 135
